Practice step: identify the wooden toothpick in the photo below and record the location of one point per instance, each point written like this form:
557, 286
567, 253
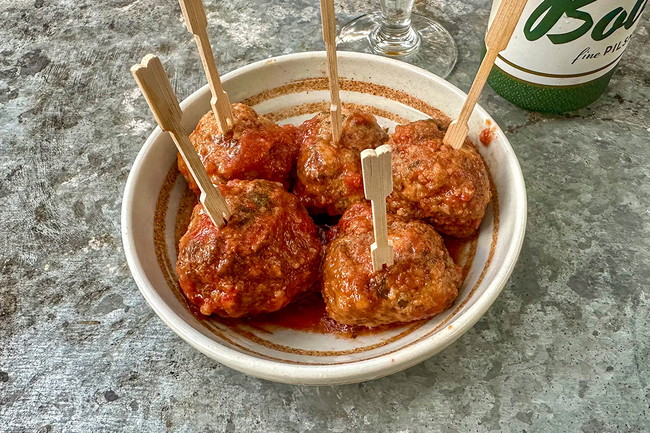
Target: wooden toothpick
157, 89
329, 35
496, 40
197, 24
377, 185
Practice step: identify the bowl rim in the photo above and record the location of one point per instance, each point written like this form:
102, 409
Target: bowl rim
359, 371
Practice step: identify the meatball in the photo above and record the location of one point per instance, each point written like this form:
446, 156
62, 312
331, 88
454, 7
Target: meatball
446, 187
329, 177
267, 253
255, 148
422, 282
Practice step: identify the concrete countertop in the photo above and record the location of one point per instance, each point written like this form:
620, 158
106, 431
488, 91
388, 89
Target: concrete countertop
566, 347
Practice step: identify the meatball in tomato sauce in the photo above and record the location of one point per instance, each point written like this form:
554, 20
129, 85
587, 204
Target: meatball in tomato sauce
267, 253
446, 187
255, 148
422, 282
328, 175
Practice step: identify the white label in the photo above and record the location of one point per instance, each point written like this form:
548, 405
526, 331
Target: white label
568, 42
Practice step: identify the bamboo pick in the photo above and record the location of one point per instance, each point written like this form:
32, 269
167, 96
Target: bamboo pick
496, 40
156, 88
377, 185
329, 36
197, 23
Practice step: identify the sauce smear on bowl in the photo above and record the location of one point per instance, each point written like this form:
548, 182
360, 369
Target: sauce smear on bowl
487, 134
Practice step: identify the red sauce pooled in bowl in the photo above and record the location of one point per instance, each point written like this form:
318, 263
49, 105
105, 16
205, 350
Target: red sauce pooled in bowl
308, 314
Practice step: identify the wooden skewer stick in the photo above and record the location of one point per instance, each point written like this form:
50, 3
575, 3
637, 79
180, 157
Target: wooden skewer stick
157, 90
197, 24
377, 185
329, 35
496, 40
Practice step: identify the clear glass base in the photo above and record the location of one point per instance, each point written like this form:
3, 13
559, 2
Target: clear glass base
430, 47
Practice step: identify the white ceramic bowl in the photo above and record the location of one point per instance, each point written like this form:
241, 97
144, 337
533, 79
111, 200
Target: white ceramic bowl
290, 89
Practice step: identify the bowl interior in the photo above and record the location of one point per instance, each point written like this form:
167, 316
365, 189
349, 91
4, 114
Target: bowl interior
290, 89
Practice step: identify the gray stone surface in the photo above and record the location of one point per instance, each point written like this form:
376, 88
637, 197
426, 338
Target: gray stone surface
565, 348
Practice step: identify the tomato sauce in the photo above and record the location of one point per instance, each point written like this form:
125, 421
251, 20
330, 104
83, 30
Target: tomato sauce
487, 134
308, 314
486, 137
457, 248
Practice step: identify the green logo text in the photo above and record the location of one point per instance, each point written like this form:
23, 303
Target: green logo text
549, 12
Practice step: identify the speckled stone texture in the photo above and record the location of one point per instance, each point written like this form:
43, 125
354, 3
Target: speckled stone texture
565, 348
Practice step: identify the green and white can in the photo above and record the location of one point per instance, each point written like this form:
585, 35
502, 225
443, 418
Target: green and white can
564, 52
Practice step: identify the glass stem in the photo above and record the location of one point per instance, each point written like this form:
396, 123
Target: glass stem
396, 17
395, 36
